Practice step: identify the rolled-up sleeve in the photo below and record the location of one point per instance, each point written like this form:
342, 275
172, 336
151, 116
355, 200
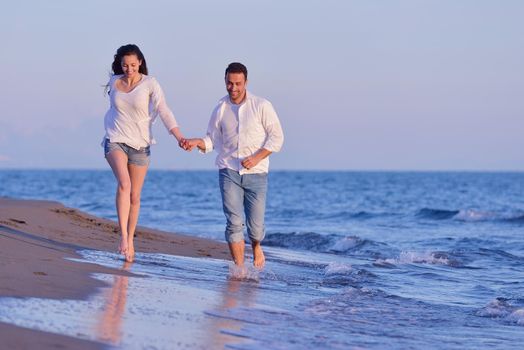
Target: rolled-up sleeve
160, 108
271, 123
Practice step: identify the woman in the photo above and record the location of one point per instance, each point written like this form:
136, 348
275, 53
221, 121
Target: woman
136, 99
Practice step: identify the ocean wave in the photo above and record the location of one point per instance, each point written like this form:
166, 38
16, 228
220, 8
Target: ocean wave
287, 213
329, 215
298, 240
345, 244
360, 215
436, 214
325, 243
495, 309
409, 257
338, 275
476, 215
517, 317
500, 308
516, 219
501, 254
336, 268
469, 215
340, 305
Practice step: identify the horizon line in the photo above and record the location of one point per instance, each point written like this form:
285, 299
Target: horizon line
278, 170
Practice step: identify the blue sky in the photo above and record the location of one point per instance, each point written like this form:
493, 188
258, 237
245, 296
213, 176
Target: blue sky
358, 85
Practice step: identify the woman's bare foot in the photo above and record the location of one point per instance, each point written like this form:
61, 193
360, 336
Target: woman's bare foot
258, 256
130, 254
122, 248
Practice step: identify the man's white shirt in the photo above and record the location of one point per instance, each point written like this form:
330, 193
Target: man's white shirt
239, 131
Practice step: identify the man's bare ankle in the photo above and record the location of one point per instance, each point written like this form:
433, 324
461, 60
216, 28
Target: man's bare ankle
258, 255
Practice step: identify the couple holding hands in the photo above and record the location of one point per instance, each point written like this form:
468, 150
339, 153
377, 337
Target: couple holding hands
243, 129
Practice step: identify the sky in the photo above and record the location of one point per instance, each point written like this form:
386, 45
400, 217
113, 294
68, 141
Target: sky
358, 85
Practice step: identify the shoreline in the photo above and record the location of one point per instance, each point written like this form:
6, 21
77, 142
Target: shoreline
38, 239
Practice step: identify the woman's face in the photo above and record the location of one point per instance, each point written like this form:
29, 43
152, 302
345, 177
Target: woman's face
130, 65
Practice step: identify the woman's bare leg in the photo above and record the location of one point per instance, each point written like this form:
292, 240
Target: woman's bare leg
137, 175
118, 162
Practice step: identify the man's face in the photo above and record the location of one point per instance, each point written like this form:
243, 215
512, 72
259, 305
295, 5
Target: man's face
236, 86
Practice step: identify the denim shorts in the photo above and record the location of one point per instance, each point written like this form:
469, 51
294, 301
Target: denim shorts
135, 157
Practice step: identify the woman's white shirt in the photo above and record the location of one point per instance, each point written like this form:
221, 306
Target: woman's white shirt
131, 114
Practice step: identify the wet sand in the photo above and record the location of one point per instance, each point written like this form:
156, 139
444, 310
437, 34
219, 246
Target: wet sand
37, 237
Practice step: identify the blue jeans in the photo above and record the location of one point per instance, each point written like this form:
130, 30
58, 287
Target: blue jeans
243, 195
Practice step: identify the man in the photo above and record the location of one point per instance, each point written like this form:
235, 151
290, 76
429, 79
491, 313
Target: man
244, 129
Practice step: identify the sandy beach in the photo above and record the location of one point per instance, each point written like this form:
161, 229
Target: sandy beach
36, 240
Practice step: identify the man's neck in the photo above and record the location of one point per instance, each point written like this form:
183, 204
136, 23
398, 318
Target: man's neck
239, 100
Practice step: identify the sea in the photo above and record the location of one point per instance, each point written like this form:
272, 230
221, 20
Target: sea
355, 260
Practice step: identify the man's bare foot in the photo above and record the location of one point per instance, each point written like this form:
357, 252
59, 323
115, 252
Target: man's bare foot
237, 272
259, 259
130, 254
122, 248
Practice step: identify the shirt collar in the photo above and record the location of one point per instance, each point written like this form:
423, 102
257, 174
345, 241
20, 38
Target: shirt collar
227, 100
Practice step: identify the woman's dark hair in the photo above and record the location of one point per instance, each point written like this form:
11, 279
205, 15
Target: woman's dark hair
236, 67
126, 50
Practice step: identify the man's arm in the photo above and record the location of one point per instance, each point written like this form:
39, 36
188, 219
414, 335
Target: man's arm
274, 140
252, 161
213, 136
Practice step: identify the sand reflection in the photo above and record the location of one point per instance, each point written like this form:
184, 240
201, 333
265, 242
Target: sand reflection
110, 325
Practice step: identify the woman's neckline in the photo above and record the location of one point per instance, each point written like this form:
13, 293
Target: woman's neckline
142, 78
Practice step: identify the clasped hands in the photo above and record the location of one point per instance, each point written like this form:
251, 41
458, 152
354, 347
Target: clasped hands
189, 144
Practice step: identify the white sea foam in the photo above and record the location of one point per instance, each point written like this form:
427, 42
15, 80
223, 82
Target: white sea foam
517, 317
336, 268
474, 215
496, 308
501, 309
345, 244
408, 257
245, 273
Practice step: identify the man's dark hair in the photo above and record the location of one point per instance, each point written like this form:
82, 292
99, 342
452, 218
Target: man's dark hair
236, 67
